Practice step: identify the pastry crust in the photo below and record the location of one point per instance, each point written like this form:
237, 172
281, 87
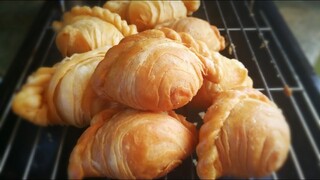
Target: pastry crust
192, 6
147, 14
150, 71
200, 30
62, 94
119, 7
83, 29
131, 144
30, 102
233, 75
244, 135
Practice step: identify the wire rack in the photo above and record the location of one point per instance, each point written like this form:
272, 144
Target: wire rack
28, 151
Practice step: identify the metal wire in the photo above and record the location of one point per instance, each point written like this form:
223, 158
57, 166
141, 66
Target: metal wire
274, 175
294, 74
254, 58
245, 29
8, 108
292, 152
242, 29
296, 106
23, 75
32, 153
292, 98
9, 145
225, 28
57, 162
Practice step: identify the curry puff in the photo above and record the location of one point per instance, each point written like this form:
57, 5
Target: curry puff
147, 14
62, 95
83, 29
155, 70
132, 144
244, 135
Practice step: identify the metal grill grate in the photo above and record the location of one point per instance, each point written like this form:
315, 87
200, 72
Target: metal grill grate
28, 151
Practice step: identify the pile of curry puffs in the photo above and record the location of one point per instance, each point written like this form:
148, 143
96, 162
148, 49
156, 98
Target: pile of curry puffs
127, 67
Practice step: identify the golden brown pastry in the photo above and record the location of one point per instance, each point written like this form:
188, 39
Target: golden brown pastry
244, 135
83, 29
147, 14
132, 144
232, 75
61, 94
153, 70
198, 29
191, 5
118, 6
29, 102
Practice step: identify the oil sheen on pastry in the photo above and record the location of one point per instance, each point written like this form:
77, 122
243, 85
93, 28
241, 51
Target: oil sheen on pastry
132, 144
198, 29
152, 70
61, 94
244, 135
147, 14
233, 75
83, 29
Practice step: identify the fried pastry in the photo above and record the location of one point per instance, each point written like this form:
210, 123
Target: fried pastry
61, 95
198, 29
147, 14
232, 75
29, 102
83, 29
132, 144
191, 5
244, 135
153, 70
